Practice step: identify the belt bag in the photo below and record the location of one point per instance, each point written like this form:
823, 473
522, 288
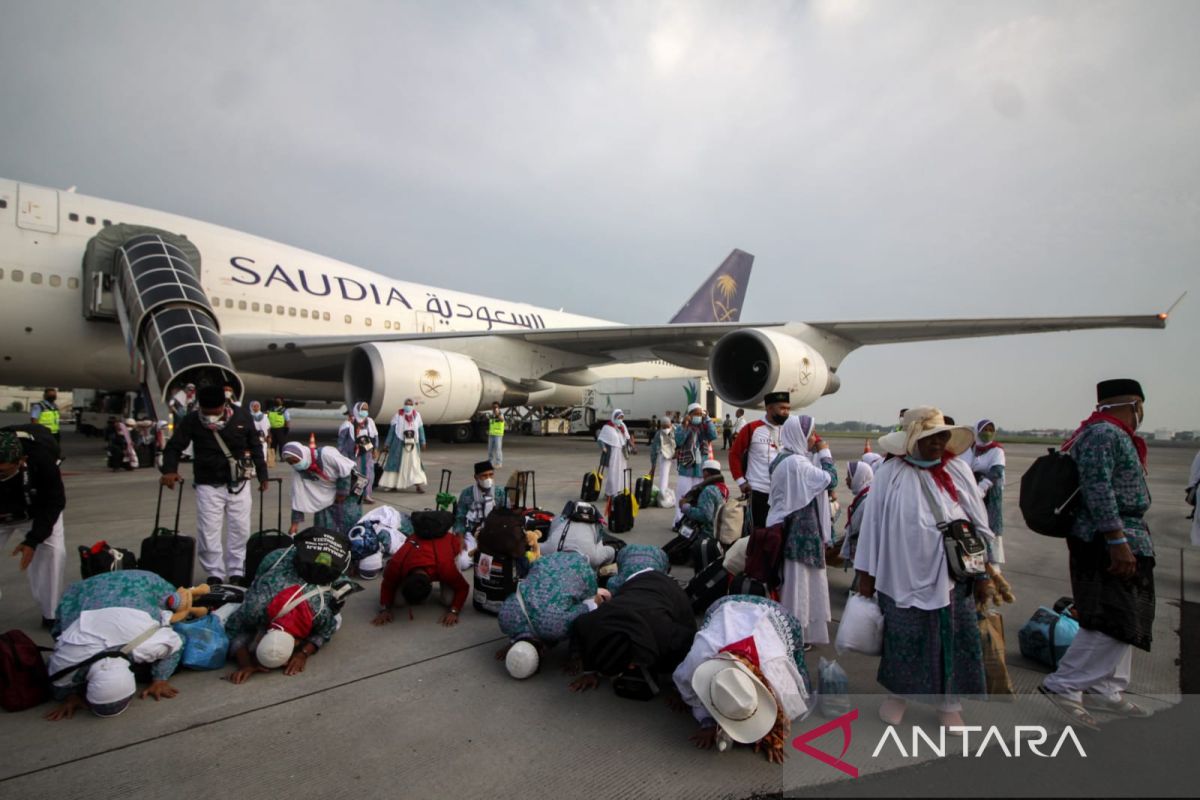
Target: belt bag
238, 473
966, 551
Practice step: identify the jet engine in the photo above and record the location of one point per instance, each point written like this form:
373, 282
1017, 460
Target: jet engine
747, 364
448, 387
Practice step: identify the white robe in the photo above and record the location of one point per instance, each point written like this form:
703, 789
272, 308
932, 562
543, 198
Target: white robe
310, 496
732, 622
617, 440
107, 628
412, 469
900, 544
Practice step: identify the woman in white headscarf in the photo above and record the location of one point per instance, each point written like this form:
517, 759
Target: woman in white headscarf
402, 467
988, 463
799, 501
358, 438
860, 476
615, 446
931, 643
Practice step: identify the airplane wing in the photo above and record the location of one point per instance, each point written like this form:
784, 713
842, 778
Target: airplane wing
688, 345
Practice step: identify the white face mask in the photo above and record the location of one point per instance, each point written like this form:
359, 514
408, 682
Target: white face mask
257, 415
408, 409
229, 395
696, 420
362, 414
486, 483
214, 423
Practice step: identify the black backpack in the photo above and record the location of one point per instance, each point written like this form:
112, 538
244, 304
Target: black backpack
37, 435
322, 555
431, 524
1050, 494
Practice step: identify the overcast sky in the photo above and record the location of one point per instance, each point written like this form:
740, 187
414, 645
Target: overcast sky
882, 160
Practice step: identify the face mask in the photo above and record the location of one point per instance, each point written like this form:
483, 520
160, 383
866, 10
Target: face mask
52, 398
408, 409
229, 395
696, 420
362, 415
986, 437
296, 466
214, 423
486, 483
779, 419
923, 464
257, 415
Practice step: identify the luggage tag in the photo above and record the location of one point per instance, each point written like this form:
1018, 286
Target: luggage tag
484, 569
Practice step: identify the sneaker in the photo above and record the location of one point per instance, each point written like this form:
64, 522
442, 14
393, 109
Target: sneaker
213, 580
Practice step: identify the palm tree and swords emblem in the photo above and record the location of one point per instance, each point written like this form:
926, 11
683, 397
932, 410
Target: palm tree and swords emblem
723, 292
431, 383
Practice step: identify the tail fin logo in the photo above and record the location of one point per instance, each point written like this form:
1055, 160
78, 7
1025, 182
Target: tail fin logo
726, 288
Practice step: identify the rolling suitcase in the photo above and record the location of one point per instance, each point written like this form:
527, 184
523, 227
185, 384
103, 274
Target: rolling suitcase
495, 579
265, 540
708, 586
165, 552
621, 517
643, 489
744, 584
678, 550
145, 455
589, 492
445, 499
704, 552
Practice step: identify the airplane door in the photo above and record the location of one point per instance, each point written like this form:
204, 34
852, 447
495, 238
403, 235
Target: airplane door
37, 208
425, 322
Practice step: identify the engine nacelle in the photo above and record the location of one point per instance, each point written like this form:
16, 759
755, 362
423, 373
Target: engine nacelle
746, 365
448, 387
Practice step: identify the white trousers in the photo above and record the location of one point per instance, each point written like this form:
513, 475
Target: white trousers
46, 570
216, 505
682, 487
805, 593
662, 474
1095, 662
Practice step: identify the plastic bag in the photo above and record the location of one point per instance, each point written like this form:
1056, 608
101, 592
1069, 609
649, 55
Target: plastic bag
861, 630
833, 689
666, 498
205, 644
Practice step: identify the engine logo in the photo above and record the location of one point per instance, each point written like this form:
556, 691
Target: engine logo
726, 288
805, 371
431, 383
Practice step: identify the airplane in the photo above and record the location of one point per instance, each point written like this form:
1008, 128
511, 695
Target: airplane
97, 293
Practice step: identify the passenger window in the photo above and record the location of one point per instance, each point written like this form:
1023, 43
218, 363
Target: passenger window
241, 305
267, 307
387, 324
316, 314
347, 316
1, 274
291, 311
18, 276
3, 203
35, 277
55, 280
72, 283
325, 316
228, 303
216, 302
279, 310
304, 313
254, 306
368, 321
91, 220
107, 222
73, 217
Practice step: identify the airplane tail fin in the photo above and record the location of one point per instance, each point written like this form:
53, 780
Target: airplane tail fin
720, 298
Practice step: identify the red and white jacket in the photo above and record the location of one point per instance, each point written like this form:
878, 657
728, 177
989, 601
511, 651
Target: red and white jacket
752, 453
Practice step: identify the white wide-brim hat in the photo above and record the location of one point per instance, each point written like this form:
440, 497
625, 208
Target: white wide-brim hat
920, 423
522, 660
739, 702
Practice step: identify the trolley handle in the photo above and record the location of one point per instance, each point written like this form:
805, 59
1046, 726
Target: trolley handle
262, 505
178, 506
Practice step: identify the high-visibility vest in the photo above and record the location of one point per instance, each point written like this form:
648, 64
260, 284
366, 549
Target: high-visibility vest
49, 418
276, 418
496, 427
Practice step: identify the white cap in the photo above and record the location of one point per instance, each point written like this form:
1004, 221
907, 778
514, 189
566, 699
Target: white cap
110, 686
275, 648
712, 463
695, 407
522, 660
370, 566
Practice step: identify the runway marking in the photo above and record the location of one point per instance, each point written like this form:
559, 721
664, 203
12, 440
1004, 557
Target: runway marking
226, 718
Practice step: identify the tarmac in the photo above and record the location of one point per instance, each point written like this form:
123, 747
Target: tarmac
416, 709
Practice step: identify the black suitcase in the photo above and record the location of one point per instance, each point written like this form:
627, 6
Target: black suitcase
103, 557
705, 551
265, 540
643, 489
145, 455
678, 550
621, 516
708, 586
589, 491
493, 587
165, 552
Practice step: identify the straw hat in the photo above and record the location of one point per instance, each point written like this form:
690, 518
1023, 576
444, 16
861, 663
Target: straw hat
739, 702
921, 422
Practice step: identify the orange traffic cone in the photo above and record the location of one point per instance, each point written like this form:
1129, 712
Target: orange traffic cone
312, 440
866, 446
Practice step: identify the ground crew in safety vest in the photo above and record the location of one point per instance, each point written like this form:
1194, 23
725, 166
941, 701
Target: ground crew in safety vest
495, 421
45, 413
280, 419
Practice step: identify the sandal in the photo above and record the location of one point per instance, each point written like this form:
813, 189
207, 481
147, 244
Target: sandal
1072, 710
1120, 708
892, 711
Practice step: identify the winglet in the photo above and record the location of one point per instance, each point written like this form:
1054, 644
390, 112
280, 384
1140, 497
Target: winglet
1163, 316
720, 298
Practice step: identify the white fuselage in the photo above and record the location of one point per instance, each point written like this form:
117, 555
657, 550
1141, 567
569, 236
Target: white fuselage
256, 286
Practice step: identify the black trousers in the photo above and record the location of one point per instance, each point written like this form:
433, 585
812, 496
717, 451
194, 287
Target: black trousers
759, 508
